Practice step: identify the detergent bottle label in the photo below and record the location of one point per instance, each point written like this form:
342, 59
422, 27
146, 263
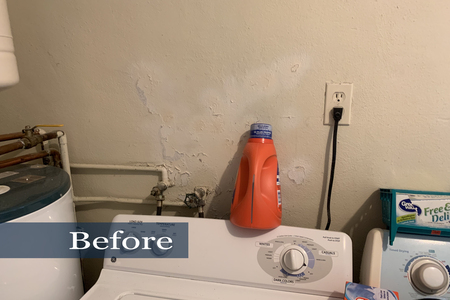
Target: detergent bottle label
278, 187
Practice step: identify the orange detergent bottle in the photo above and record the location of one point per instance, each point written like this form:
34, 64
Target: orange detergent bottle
257, 196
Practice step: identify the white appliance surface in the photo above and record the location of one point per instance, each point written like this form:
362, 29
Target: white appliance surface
9, 74
416, 266
43, 278
228, 262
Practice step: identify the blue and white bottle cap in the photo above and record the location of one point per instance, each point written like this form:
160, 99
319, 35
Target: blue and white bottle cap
261, 131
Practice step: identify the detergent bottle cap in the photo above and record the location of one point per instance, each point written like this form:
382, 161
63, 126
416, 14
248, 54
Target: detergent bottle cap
261, 131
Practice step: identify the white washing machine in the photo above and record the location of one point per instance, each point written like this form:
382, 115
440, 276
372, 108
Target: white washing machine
415, 266
228, 262
37, 193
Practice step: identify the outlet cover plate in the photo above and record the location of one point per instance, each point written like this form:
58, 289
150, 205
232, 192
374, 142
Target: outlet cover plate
338, 95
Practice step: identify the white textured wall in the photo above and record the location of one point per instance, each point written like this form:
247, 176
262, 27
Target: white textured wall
180, 82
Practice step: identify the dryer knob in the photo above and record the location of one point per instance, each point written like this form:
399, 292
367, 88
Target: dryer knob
429, 277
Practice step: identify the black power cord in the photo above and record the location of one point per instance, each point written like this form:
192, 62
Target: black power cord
337, 115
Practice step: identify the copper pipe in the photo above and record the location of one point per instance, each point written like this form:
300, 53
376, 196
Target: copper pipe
24, 158
28, 142
11, 147
11, 136
49, 135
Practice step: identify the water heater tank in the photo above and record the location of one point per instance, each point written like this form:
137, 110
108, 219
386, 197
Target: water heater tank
9, 75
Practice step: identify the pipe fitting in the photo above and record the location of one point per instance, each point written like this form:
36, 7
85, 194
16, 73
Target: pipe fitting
158, 193
155, 191
30, 140
201, 193
28, 131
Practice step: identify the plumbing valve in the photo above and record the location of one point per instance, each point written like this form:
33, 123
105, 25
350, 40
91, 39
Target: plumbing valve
33, 138
157, 192
28, 131
191, 200
197, 199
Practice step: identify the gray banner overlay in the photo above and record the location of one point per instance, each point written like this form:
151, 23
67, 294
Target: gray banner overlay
94, 240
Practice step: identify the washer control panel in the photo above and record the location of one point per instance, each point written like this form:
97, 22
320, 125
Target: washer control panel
290, 259
295, 259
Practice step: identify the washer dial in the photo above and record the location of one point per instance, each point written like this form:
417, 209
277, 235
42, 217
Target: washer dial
293, 259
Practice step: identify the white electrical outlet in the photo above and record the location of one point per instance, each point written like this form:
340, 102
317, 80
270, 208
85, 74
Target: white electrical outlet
338, 95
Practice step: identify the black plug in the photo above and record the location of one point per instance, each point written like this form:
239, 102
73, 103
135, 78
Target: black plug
337, 113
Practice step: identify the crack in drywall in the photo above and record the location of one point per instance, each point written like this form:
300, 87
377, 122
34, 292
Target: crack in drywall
141, 93
297, 175
143, 97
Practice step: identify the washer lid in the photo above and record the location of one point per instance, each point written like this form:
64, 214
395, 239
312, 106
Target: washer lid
27, 188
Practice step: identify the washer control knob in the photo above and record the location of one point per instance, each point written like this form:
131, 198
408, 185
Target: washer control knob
157, 250
293, 260
129, 242
429, 277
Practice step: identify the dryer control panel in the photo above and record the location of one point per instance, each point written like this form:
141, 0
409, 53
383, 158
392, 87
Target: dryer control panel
416, 266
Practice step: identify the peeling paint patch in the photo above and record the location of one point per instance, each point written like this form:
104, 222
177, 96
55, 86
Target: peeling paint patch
169, 153
201, 153
297, 175
172, 154
184, 177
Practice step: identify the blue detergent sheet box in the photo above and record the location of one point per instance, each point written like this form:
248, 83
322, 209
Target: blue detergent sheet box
356, 291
